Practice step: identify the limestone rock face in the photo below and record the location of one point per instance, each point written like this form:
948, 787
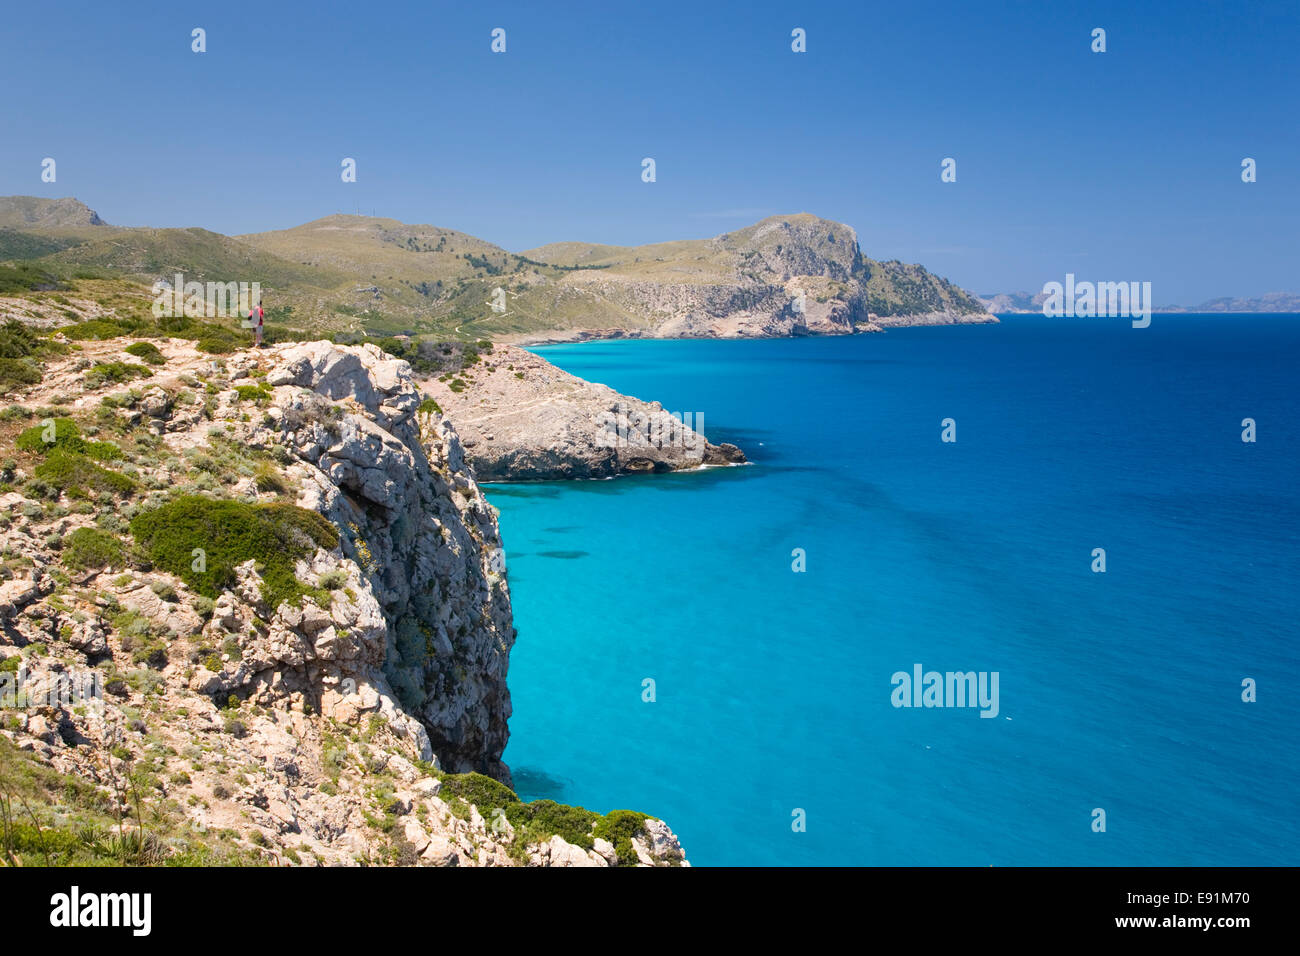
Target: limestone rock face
321, 730
421, 536
522, 419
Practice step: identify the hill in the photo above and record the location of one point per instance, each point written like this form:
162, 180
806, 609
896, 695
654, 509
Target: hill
35, 212
785, 275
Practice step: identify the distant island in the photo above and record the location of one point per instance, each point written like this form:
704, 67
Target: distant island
1008, 302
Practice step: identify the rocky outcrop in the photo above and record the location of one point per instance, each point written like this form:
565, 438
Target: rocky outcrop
348, 725
522, 419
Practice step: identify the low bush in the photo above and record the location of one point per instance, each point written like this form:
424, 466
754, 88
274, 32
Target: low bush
17, 340
114, 372
619, 827
25, 277
258, 393
97, 330
268, 478
87, 548
333, 580
147, 351
66, 436
76, 475
15, 373
541, 819
229, 533
478, 789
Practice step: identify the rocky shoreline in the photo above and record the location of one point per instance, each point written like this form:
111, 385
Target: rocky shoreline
520, 418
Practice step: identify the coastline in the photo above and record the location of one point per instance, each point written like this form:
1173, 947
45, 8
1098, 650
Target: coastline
521, 418
873, 325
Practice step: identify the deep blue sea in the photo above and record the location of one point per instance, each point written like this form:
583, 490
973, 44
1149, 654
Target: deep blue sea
1119, 690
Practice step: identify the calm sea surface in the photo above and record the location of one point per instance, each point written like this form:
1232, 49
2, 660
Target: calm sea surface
1120, 691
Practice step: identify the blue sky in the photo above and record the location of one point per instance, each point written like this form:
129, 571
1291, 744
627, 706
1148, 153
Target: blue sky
1116, 166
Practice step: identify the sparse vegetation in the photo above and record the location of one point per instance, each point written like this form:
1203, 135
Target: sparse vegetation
48, 818
115, 373
27, 277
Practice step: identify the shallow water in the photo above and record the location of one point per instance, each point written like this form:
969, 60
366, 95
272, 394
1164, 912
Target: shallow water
1120, 691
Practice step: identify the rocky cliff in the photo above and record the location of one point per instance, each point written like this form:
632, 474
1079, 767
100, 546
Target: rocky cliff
281, 575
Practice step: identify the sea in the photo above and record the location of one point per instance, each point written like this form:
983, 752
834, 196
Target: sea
724, 648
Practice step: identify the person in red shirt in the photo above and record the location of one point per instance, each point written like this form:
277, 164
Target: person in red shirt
255, 319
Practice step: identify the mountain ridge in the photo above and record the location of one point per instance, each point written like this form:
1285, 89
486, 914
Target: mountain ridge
787, 275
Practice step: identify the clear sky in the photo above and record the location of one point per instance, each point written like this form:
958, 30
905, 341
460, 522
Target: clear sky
1117, 166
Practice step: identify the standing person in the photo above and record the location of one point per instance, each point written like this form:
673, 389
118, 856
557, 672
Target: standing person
255, 315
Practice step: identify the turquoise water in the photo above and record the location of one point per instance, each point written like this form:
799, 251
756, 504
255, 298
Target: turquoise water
1119, 691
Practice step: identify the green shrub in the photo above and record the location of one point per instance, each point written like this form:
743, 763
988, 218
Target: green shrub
25, 277
429, 405
147, 351
88, 548
220, 344
268, 478
115, 372
258, 393
15, 373
619, 827
230, 533
97, 330
333, 580
67, 436
151, 653
17, 340
541, 819
478, 789
76, 475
